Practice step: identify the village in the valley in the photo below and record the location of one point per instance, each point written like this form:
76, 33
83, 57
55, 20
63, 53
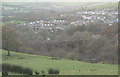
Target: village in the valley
60, 38
106, 16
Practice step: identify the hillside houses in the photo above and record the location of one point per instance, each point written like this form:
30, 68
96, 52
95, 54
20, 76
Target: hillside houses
50, 25
107, 16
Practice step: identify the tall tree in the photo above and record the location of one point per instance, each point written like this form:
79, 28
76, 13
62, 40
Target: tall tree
9, 39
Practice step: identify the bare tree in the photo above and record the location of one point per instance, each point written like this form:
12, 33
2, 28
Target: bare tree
9, 39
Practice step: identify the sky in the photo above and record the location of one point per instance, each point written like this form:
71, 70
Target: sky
59, 0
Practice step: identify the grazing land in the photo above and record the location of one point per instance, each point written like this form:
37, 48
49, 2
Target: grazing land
66, 67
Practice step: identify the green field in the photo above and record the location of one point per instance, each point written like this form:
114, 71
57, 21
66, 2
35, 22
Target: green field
66, 67
59, 5
102, 5
13, 22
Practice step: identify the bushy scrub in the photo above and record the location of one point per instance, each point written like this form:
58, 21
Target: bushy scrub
52, 71
16, 69
4, 73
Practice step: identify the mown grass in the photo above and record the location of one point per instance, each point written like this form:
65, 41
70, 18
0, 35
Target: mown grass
66, 67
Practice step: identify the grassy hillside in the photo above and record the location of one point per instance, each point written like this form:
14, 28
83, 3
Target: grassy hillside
43, 5
66, 67
59, 5
102, 5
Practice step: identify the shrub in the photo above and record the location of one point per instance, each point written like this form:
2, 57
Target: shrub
4, 73
17, 69
56, 72
27, 71
42, 72
52, 71
37, 73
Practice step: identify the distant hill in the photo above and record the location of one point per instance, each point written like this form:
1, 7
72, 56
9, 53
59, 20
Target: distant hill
58, 5
102, 5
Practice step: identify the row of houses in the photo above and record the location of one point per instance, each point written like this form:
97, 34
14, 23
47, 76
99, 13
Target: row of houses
106, 16
45, 22
99, 12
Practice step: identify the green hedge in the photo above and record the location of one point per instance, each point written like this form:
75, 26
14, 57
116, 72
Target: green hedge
16, 69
